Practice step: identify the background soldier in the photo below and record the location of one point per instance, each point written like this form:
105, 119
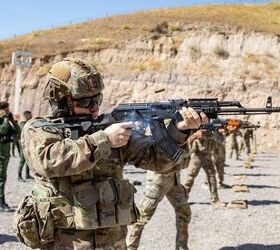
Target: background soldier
201, 150
8, 129
80, 197
157, 186
232, 134
219, 158
246, 135
15, 144
27, 115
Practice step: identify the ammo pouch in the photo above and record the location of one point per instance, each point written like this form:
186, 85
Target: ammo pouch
33, 223
103, 203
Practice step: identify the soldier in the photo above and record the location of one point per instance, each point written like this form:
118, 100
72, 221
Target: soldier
219, 157
246, 135
15, 144
201, 149
159, 185
232, 134
80, 200
8, 129
27, 115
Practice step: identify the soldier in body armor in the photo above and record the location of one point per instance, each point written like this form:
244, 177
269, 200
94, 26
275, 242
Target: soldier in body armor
80, 200
27, 115
201, 152
159, 185
8, 129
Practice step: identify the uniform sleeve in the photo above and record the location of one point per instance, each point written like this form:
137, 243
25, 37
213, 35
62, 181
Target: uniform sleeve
50, 155
4, 126
178, 136
142, 151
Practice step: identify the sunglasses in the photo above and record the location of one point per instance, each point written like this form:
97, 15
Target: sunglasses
89, 102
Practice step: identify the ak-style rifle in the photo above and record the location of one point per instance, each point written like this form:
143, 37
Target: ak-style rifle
154, 114
216, 124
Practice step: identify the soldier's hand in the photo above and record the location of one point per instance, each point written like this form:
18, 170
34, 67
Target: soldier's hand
119, 133
196, 135
199, 134
191, 119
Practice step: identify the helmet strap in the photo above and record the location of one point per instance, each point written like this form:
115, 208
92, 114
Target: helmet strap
70, 105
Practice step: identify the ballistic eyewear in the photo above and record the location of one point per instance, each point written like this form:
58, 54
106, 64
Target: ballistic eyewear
89, 102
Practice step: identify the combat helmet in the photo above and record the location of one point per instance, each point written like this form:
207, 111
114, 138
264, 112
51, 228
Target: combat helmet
70, 80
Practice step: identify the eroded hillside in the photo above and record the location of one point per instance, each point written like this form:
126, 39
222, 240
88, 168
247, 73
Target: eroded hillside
212, 52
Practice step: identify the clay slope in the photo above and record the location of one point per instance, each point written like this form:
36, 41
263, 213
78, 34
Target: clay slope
211, 51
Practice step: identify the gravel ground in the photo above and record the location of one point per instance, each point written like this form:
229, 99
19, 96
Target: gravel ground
257, 227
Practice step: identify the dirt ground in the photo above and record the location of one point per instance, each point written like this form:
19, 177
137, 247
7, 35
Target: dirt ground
257, 227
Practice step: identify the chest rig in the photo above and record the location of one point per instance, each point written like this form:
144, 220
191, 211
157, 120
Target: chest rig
96, 198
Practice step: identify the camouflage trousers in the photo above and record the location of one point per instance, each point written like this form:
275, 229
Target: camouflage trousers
21, 165
158, 186
197, 161
234, 147
245, 144
106, 238
219, 162
4, 160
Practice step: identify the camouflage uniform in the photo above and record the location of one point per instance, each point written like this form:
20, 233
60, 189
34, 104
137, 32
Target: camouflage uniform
246, 135
8, 129
157, 186
15, 144
219, 157
233, 144
22, 161
80, 195
201, 152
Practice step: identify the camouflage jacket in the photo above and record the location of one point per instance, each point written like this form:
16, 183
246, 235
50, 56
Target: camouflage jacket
51, 155
7, 130
204, 145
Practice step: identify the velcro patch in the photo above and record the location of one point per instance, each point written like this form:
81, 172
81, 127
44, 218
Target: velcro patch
60, 72
50, 129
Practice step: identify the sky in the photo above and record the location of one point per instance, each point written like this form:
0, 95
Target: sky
18, 17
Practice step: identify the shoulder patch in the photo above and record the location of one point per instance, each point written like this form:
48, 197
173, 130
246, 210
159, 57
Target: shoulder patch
50, 129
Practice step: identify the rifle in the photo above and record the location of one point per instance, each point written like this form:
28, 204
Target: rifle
220, 123
154, 114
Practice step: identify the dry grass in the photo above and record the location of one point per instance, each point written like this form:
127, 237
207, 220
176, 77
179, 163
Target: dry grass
178, 40
137, 66
151, 64
260, 66
175, 27
252, 58
264, 18
205, 68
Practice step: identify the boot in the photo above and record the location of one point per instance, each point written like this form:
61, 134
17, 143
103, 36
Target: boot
217, 204
29, 177
20, 178
223, 185
3, 206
